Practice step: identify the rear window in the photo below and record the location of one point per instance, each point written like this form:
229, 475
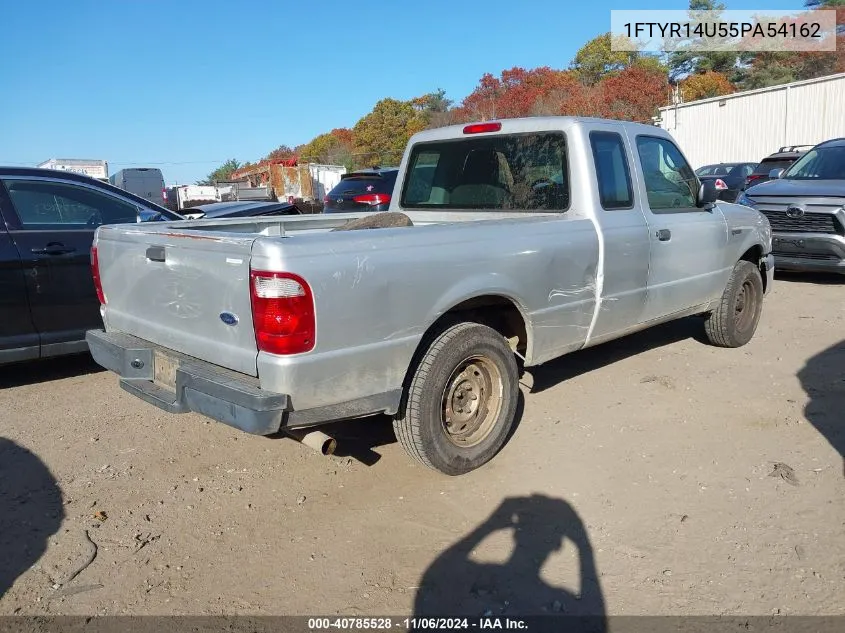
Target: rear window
526, 172
375, 183
768, 165
714, 170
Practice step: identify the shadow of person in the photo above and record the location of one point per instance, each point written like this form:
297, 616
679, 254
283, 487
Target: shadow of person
823, 380
455, 585
31, 510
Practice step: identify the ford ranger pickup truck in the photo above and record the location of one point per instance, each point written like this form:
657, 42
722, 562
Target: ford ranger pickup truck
506, 243
805, 205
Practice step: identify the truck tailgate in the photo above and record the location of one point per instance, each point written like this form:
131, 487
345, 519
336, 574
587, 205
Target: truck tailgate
189, 293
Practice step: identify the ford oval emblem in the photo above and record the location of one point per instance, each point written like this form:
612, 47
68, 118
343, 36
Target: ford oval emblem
228, 318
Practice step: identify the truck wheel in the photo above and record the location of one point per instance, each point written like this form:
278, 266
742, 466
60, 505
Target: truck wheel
461, 402
735, 319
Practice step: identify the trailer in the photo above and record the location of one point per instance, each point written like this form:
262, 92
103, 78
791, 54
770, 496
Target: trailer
180, 197
98, 169
291, 181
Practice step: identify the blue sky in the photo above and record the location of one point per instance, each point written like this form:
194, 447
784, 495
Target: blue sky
186, 84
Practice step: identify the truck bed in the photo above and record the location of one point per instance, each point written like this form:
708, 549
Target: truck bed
375, 291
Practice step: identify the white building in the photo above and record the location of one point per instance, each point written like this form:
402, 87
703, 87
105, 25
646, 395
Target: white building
747, 126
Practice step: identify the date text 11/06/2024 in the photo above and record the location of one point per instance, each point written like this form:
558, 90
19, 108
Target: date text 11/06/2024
414, 624
723, 30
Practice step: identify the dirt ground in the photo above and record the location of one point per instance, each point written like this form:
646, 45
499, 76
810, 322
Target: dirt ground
679, 479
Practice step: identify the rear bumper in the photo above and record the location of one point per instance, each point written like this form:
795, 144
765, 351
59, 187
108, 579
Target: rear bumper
227, 396
820, 252
218, 393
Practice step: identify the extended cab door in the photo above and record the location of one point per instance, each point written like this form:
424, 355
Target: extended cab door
53, 227
624, 233
687, 242
18, 338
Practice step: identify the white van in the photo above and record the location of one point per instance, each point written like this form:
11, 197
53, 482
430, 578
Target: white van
146, 182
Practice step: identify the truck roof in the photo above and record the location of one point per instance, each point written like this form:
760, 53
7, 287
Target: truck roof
533, 124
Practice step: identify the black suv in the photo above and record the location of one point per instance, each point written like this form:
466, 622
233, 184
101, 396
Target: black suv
47, 223
781, 159
362, 190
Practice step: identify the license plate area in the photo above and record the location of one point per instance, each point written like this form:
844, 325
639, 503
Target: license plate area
164, 370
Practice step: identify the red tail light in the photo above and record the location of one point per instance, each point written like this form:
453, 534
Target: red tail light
752, 178
477, 128
164, 194
372, 198
95, 273
282, 312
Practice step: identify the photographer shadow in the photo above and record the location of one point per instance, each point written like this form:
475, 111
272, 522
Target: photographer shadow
456, 585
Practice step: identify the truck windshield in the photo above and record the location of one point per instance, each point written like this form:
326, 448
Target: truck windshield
513, 172
822, 163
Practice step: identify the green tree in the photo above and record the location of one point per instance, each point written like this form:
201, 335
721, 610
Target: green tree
688, 62
433, 109
381, 136
224, 172
597, 59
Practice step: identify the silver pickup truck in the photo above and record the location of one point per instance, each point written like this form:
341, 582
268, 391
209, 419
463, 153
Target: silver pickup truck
508, 242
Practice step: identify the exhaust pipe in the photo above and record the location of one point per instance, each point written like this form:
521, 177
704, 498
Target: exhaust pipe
317, 440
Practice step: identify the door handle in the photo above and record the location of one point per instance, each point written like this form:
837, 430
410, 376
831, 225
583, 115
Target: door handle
664, 235
54, 248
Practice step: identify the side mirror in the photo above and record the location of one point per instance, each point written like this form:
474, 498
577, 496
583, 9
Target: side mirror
707, 193
776, 173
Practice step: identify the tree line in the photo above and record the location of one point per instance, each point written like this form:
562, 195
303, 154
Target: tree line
598, 82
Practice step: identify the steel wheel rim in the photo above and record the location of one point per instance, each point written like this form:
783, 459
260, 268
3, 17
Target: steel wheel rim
745, 306
471, 401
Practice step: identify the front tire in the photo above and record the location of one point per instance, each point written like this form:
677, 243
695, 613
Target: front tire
461, 402
735, 319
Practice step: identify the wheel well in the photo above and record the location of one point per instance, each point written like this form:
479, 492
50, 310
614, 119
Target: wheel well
754, 255
495, 311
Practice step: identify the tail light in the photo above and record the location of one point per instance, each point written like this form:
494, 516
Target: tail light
282, 312
752, 178
95, 273
478, 128
372, 198
164, 194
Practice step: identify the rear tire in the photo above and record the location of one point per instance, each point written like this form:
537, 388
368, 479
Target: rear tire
461, 402
735, 319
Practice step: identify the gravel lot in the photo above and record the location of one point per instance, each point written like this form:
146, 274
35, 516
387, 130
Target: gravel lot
678, 478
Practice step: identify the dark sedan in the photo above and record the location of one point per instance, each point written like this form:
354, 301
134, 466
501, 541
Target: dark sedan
732, 174
240, 209
47, 221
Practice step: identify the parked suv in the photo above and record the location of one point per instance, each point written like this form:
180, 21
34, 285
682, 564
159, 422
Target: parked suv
781, 159
363, 190
47, 224
805, 205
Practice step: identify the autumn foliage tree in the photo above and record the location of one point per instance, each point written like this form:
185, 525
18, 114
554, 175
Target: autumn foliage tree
707, 84
599, 82
380, 137
280, 153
